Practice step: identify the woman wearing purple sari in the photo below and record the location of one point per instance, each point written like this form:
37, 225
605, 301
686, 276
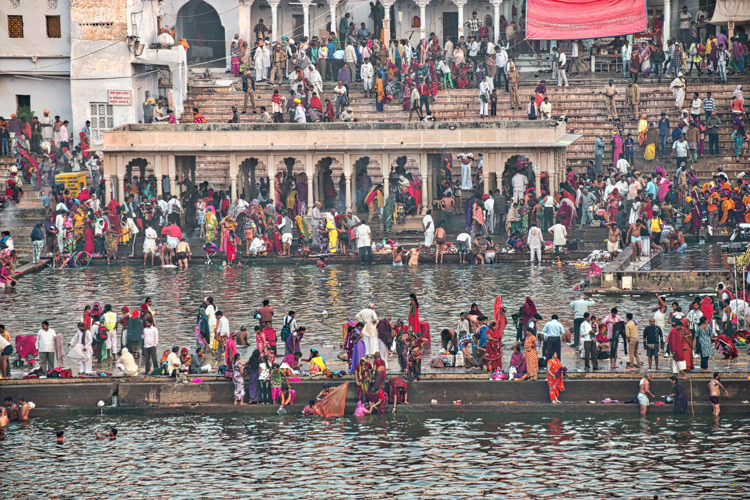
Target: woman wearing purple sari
518, 361
355, 347
567, 213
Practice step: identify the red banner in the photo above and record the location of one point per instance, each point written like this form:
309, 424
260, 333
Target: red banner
580, 19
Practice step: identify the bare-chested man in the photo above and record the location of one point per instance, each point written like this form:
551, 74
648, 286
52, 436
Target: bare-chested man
14, 411
714, 388
613, 243
678, 241
413, 255
3, 417
183, 254
397, 254
448, 204
440, 235
644, 391
634, 235
23, 408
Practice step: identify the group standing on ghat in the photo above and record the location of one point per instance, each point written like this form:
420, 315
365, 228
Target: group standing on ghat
124, 341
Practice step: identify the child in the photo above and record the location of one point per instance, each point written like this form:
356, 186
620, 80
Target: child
60, 436
287, 395
493, 103
307, 411
111, 436
738, 136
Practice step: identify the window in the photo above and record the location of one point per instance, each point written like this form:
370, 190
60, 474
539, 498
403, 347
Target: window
53, 27
102, 118
416, 22
15, 26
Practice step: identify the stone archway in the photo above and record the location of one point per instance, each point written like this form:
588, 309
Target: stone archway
329, 183
137, 167
251, 172
366, 173
199, 24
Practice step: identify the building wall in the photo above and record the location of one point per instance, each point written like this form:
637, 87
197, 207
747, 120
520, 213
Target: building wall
45, 94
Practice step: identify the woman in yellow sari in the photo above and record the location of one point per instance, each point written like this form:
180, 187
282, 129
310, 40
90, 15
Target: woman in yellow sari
652, 137
79, 220
333, 235
642, 130
304, 229
211, 223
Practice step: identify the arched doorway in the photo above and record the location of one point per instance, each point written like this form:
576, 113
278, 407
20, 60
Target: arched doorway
366, 173
136, 169
330, 183
253, 175
199, 24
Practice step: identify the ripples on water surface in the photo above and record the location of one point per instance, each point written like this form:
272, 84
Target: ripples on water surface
405, 457
60, 295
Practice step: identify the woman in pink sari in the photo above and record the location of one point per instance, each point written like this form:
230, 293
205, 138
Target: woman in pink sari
230, 350
616, 147
663, 189
613, 204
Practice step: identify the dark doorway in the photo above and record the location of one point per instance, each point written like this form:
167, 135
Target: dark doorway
450, 26
298, 26
23, 101
199, 24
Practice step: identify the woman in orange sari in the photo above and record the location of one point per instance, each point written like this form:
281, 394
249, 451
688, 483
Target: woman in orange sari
554, 378
532, 359
494, 348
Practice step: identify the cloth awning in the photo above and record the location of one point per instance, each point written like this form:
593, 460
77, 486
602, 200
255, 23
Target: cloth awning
568, 139
737, 11
581, 19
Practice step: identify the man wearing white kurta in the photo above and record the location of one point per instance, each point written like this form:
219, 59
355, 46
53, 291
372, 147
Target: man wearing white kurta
519, 182
370, 331
367, 73
428, 226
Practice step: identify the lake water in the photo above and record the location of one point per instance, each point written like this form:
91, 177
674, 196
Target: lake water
406, 456
339, 290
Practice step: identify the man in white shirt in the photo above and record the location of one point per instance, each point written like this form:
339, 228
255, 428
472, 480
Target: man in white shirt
463, 244
428, 226
367, 72
174, 209
501, 60
60, 225
484, 97
559, 233
47, 126
150, 343
164, 209
680, 148
364, 242
489, 214
589, 344
350, 56
685, 18
519, 182
64, 137
545, 109
574, 58
299, 112
45, 344
369, 332
561, 68
466, 170
222, 333
353, 222
622, 165
173, 362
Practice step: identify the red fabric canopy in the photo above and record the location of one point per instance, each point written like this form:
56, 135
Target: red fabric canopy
580, 19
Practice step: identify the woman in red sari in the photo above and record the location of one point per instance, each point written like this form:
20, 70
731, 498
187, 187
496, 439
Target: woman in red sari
415, 188
88, 237
494, 348
554, 378
414, 325
231, 247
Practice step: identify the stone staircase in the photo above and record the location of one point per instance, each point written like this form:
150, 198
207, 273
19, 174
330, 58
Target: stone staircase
582, 103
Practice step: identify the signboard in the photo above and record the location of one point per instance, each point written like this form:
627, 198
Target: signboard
119, 97
72, 181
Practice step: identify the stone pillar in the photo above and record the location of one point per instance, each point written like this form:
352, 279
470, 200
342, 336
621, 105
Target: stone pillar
311, 183
120, 179
460, 4
233, 175
386, 23
496, 21
423, 18
538, 171
158, 174
244, 21
172, 172
334, 25
667, 34
306, 11
348, 176
274, 19
271, 163
385, 167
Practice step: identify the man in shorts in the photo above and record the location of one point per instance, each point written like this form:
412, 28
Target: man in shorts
714, 388
183, 254
463, 242
613, 241
644, 391
439, 242
634, 235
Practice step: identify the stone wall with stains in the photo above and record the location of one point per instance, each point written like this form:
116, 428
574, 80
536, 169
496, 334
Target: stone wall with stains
100, 19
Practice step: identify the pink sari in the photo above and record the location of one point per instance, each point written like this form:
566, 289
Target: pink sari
617, 142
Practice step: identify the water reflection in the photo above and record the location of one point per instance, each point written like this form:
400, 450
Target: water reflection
407, 456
